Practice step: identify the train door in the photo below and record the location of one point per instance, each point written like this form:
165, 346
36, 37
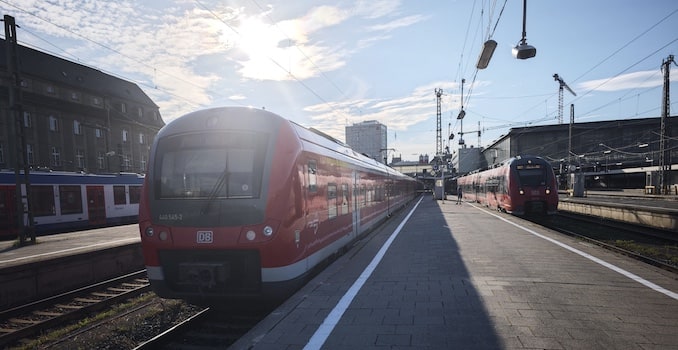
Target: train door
356, 205
96, 205
7, 210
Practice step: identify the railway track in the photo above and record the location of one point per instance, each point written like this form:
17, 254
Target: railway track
33, 318
650, 246
210, 328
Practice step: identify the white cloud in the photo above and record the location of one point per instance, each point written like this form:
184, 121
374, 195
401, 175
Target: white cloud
635, 80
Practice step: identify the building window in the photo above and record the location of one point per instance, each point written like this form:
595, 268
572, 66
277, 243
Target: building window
53, 123
142, 138
140, 112
77, 127
25, 83
123, 107
100, 160
155, 115
50, 89
80, 158
98, 133
125, 162
124, 135
29, 154
96, 101
28, 120
56, 157
75, 96
142, 164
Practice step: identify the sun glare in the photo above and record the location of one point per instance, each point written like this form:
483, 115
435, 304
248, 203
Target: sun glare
265, 58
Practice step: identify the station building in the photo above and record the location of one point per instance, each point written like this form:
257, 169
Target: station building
75, 118
612, 154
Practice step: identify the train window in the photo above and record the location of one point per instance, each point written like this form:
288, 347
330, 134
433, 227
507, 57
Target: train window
240, 167
119, 196
70, 198
42, 200
332, 200
532, 176
134, 194
211, 165
344, 199
312, 176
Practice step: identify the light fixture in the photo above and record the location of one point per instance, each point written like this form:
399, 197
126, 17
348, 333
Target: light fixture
523, 50
486, 54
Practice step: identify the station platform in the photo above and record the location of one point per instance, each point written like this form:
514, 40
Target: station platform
66, 261
445, 276
66, 244
632, 207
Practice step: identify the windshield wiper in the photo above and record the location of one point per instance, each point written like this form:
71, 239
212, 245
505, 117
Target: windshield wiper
215, 190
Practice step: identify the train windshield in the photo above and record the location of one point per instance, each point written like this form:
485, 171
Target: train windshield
210, 165
531, 175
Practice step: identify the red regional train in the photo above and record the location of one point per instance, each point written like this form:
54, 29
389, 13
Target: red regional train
240, 203
521, 186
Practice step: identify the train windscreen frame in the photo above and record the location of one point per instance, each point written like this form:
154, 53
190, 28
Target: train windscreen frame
210, 165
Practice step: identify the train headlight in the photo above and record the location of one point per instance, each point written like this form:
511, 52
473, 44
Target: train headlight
521, 191
548, 191
163, 235
268, 231
250, 235
149, 231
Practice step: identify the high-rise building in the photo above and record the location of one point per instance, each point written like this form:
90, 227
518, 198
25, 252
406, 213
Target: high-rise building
369, 138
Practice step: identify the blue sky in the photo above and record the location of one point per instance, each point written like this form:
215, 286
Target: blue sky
328, 64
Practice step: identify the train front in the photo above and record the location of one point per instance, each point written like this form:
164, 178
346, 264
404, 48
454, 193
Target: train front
533, 186
203, 213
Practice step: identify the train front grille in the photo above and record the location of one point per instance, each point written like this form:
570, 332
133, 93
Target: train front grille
218, 272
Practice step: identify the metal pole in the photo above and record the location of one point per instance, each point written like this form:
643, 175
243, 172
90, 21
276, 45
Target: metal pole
24, 212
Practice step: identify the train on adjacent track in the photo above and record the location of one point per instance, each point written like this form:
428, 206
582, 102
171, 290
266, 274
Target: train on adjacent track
240, 203
524, 185
67, 201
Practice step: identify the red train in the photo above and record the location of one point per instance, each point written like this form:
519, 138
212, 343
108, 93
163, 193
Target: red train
521, 185
242, 203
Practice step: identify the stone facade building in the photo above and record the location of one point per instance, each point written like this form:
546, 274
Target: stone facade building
75, 118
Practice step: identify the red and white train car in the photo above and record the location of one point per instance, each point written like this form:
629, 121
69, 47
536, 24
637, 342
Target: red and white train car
240, 202
521, 185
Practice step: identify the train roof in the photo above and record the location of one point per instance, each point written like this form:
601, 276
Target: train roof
312, 135
323, 140
71, 178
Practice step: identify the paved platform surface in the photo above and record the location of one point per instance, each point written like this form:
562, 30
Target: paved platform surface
63, 244
462, 277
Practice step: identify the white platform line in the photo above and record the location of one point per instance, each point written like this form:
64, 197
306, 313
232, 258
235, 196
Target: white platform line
612, 267
321, 334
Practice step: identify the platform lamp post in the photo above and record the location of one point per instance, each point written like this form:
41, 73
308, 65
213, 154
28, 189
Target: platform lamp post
607, 159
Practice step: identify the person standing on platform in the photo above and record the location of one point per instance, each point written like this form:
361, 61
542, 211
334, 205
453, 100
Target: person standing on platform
458, 195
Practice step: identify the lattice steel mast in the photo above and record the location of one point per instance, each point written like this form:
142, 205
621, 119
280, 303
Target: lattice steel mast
562, 85
439, 128
664, 149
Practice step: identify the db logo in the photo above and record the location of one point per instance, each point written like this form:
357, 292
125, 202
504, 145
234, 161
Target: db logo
205, 237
